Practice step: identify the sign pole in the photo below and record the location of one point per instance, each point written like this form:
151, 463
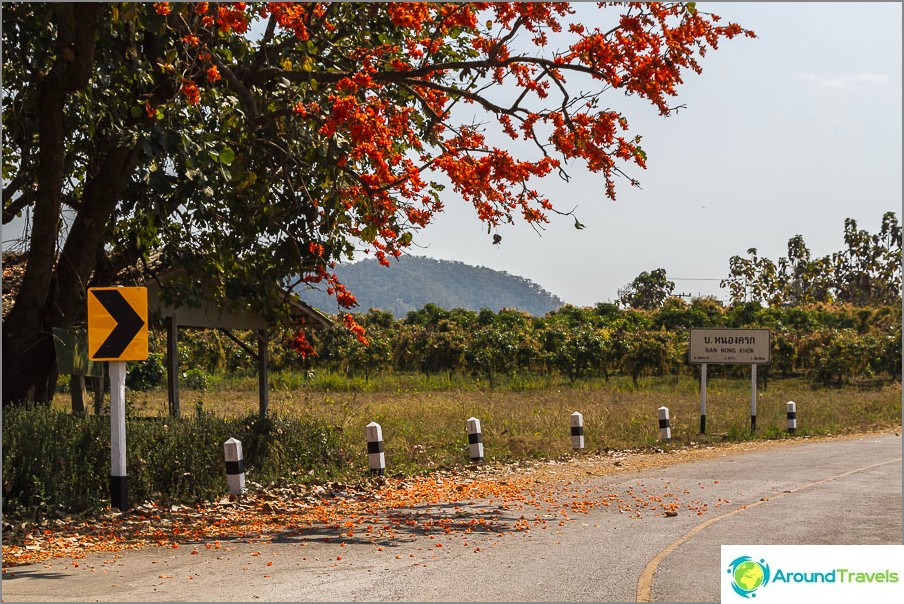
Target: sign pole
753, 398
118, 480
118, 332
702, 398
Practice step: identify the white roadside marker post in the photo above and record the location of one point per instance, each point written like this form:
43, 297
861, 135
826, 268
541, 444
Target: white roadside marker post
376, 458
665, 428
792, 417
475, 439
577, 431
235, 466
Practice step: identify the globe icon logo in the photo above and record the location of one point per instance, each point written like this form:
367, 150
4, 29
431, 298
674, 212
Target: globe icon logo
748, 575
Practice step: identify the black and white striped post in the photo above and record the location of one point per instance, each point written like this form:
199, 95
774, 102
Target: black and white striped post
665, 428
475, 439
235, 465
577, 431
376, 458
792, 417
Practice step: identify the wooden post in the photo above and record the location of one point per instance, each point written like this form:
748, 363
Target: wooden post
172, 365
77, 392
119, 490
99, 390
262, 363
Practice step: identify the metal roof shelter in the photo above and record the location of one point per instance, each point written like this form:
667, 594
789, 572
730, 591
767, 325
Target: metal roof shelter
210, 315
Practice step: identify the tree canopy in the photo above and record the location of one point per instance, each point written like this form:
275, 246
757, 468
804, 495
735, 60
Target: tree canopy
246, 143
866, 273
648, 290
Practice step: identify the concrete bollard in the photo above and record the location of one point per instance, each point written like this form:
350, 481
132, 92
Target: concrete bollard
235, 466
577, 431
792, 417
376, 458
665, 428
475, 439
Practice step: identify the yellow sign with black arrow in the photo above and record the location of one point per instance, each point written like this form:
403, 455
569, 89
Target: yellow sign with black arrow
118, 323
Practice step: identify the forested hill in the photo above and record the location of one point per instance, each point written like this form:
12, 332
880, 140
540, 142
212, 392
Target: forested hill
412, 282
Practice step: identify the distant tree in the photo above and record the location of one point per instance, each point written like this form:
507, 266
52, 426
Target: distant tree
583, 351
802, 280
643, 352
753, 279
867, 273
648, 290
248, 156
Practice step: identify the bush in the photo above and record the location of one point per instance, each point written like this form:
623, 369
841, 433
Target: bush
59, 462
148, 374
196, 379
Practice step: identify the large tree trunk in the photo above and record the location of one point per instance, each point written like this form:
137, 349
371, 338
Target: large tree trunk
29, 361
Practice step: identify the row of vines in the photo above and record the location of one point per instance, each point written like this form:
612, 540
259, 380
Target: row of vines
831, 345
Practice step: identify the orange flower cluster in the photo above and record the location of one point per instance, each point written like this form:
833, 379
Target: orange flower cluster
357, 330
213, 74
231, 17
301, 345
191, 92
162, 8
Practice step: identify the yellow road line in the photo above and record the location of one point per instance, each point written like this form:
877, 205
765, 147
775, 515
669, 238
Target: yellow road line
645, 582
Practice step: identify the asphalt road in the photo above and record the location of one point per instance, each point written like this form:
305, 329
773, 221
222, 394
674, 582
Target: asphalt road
837, 492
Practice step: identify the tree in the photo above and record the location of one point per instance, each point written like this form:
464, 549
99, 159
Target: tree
867, 273
249, 143
648, 290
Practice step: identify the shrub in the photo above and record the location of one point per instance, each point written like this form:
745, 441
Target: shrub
148, 374
59, 462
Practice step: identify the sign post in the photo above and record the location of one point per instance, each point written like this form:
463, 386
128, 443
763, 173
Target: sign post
702, 398
118, 332
729, 346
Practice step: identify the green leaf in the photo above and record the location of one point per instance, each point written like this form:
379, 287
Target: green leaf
227, 155
369, 233
136, 111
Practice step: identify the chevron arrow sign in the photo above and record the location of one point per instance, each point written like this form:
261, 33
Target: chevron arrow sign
118, 323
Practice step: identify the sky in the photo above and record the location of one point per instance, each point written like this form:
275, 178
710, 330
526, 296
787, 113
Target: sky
786, 134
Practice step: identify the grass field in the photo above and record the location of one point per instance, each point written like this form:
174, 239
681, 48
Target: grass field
424, 418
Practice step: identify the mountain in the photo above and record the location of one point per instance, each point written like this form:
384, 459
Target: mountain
413, 282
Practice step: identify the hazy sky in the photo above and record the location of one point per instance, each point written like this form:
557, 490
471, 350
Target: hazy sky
789, 133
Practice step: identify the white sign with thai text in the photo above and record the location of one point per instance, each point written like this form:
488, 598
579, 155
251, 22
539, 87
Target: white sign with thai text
731, 346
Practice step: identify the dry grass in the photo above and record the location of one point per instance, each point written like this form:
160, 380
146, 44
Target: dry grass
426, 428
